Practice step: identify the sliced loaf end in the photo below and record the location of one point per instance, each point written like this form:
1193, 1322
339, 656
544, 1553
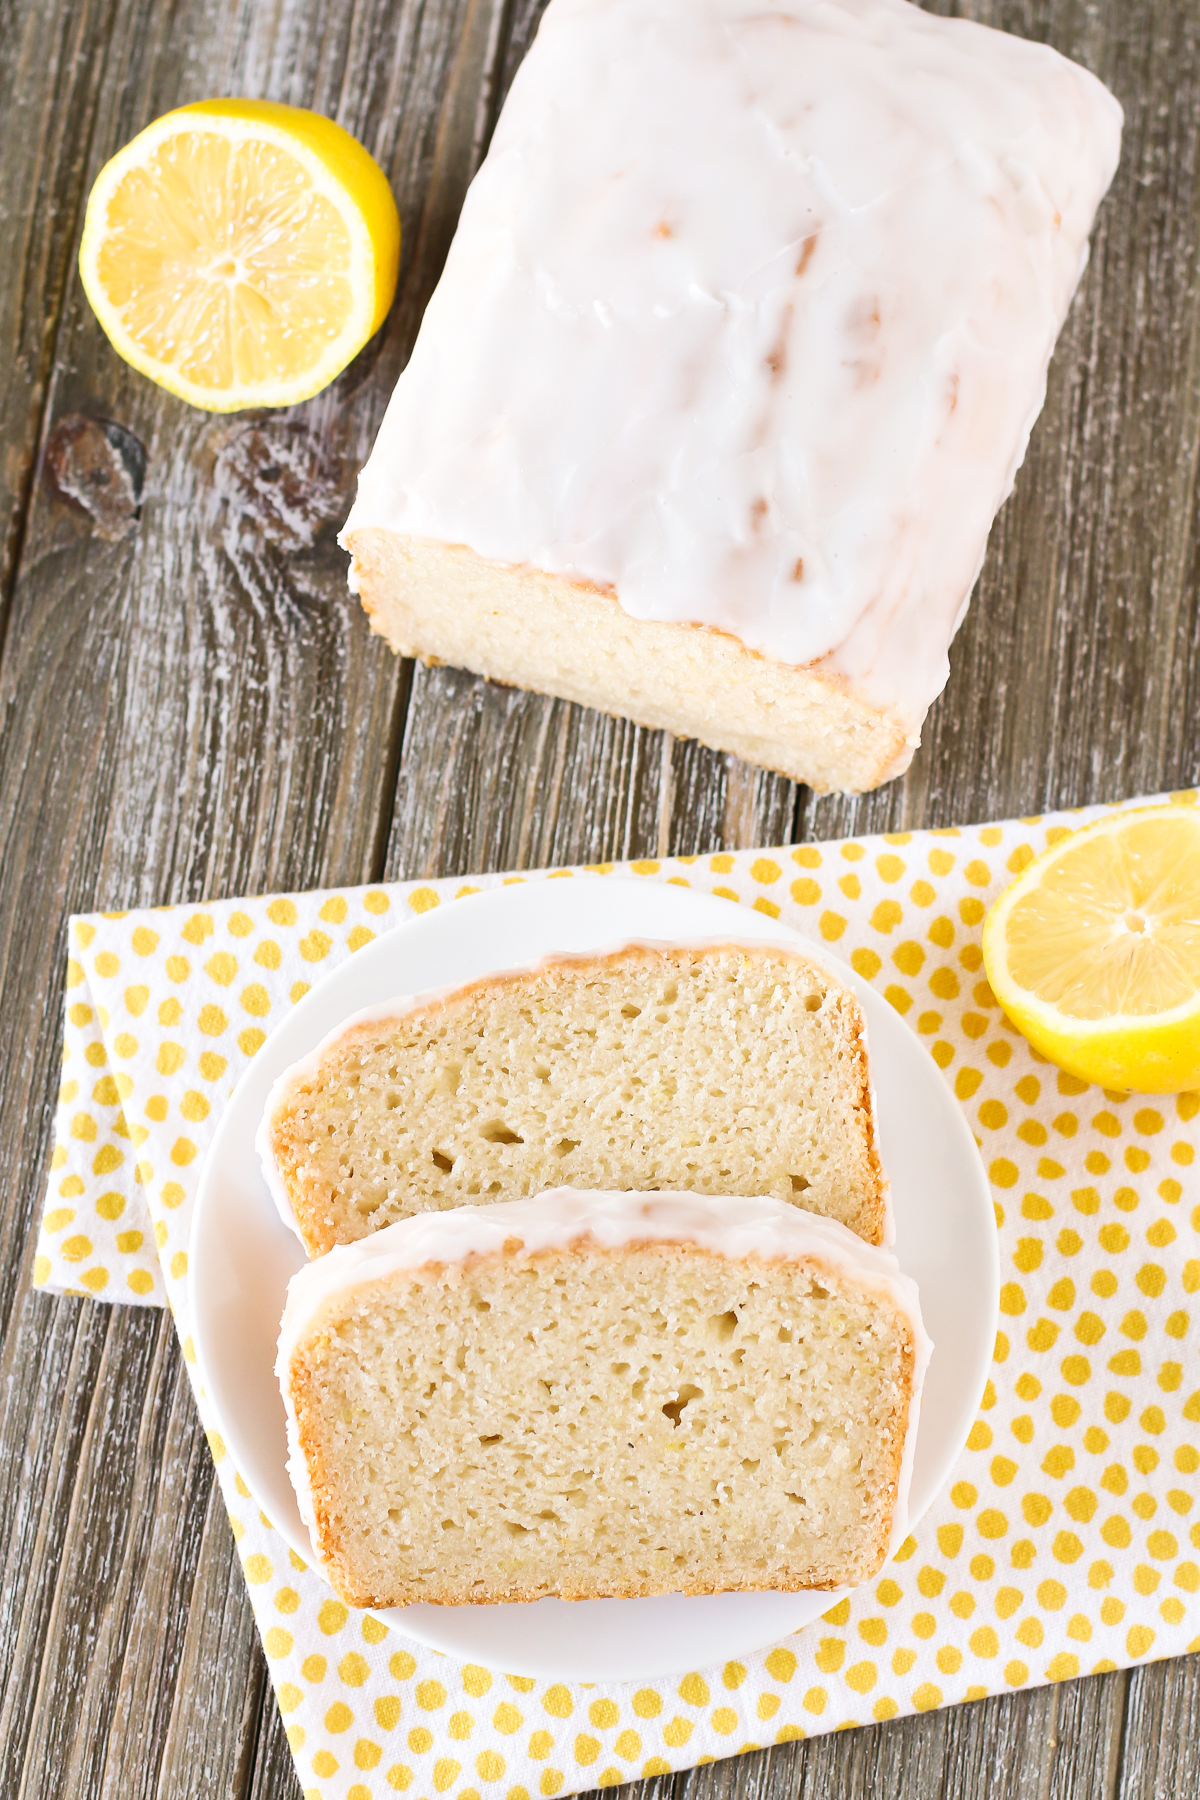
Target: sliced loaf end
587, 1417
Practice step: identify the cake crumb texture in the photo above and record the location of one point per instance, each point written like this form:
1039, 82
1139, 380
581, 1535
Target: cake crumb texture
589, 1423
715, 1069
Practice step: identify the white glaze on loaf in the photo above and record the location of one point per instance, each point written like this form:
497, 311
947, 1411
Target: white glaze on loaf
754, 335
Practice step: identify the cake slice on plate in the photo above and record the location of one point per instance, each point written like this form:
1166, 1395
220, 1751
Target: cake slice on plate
720, 1068
590, 1395
734, 359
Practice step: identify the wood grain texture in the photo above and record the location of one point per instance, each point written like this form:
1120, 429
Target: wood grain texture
46, 58
197, 708
495, 778
1058, 1743
1160, 1753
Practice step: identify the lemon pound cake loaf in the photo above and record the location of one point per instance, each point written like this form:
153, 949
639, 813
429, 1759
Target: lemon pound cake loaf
716, 1068
601, 1394
731, 365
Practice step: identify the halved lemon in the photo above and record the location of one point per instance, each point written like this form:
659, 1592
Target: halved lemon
240, 253
1094, 951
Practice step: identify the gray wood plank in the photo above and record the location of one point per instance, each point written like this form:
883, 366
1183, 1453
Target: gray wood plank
495, 778
221, 1670
99, 1573
47, 75
187, 1575
274, 1773
1088, 1727
721, 803
193, 707
50, 1365
1161, 1749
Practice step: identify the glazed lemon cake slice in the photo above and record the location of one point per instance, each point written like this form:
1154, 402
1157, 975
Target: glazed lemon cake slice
714, 1067
733, 361
590, 1395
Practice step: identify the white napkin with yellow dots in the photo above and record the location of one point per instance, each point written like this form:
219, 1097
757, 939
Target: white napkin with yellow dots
1068, 1539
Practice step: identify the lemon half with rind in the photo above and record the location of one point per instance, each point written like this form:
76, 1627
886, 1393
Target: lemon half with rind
1094, 951
240, 252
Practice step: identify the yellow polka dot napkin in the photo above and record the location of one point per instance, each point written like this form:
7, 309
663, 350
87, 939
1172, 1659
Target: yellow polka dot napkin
1068, 1539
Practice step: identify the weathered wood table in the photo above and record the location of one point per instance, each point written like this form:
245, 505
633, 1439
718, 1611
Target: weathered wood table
192, 706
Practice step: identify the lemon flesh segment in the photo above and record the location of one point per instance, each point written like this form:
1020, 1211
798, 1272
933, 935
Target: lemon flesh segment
1094, 951
227, 260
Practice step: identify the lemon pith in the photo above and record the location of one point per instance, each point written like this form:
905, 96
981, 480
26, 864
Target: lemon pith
1094, 951
240, 252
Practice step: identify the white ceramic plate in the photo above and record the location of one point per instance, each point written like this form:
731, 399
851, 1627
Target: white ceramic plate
242, 1258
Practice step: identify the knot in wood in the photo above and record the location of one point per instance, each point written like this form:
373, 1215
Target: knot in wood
279, 483
98, 467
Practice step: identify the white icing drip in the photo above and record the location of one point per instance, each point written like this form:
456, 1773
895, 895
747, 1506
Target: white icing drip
731, 1227
755, 331
404, 1004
